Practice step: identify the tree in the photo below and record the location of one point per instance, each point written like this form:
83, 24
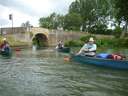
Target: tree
93, 12
122, 14
88, 15
52, 21
72, 21
45, 22
75, 7
26, 24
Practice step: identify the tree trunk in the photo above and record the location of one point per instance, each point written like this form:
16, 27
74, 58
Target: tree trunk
124, 30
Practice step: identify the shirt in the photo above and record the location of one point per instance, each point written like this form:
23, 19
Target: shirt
90, 47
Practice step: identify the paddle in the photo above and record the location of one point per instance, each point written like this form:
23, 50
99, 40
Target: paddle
67, 58
17, 49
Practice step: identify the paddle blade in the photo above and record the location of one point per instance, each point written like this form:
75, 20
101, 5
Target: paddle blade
66, 58
17, 49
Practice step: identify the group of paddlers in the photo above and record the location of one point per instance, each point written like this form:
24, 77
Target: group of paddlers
89, 49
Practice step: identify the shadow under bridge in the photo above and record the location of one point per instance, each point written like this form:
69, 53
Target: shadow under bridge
40, 40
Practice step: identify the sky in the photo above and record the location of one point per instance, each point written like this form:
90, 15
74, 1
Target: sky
30, 10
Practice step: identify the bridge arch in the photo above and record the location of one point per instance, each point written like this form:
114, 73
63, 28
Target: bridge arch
40, 37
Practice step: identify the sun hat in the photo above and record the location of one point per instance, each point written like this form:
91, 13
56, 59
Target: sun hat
91, 39
4, 39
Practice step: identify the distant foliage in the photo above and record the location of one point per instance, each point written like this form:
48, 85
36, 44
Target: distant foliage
74, 43
122, 6
104, 42
100, 29
122, 14
86, 38
72, 21
93, 16
52, 22
26, 24
117, 31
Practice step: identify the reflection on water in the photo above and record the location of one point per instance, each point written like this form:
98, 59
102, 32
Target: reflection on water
45, 73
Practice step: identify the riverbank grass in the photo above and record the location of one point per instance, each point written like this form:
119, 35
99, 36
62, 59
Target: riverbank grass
13, 42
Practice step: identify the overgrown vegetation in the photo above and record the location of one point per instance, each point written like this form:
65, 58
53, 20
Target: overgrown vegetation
74, 43
102, 42
39, 43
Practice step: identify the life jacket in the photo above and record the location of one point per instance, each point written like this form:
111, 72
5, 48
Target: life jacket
88, 46
116, 57
60, 45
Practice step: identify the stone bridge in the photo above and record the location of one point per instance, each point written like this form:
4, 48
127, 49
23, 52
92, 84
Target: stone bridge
40, 35
49, 37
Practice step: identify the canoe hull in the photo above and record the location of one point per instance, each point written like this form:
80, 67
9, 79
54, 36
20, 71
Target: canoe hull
6, 53
119, 64
65, 50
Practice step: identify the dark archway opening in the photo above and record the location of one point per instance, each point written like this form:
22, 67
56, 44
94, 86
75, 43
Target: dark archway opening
40, 40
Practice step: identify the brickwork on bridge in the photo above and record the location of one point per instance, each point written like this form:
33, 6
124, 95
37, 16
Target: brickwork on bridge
37, 30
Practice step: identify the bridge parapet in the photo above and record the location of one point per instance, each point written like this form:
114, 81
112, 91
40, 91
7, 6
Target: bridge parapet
37, 30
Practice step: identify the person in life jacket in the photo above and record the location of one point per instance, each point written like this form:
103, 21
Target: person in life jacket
89, 49
60, 45
116, 57
4, 47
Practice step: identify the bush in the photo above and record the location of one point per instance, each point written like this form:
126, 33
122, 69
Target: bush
105, 42
126, 42
86, 38
74, 43
121, 42
108, 32
112, 43
117, 32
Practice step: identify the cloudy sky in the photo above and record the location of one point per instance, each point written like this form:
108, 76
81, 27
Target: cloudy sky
30, 10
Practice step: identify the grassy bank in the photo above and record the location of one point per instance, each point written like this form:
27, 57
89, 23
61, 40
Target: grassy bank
13, 42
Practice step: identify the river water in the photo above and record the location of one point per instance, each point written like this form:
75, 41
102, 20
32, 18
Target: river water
45, 73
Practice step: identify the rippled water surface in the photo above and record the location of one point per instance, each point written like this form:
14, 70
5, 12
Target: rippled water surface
45, 73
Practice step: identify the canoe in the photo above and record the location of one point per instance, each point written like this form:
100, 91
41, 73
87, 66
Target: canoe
6, 53
118, 64
65, 50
